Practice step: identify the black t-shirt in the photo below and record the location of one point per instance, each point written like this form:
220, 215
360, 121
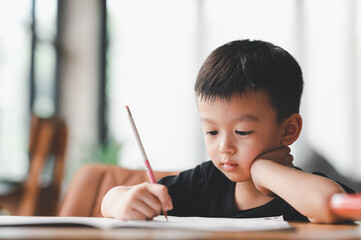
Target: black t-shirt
205, 191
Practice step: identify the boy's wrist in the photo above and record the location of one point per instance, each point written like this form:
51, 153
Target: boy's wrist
256, 169
259, 170
257, 164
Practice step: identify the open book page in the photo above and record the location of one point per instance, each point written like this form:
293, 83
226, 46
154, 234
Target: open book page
190, 223
219, 224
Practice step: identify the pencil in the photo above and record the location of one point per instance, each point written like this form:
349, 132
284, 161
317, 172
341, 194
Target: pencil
145, 158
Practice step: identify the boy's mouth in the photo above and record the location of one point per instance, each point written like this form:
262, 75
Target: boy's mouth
229, 166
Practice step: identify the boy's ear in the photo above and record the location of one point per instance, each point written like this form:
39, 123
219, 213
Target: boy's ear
292, 129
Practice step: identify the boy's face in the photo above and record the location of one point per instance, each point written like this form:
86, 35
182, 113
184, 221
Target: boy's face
236, 132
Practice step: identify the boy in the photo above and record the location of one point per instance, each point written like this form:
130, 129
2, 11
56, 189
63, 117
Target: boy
248, 95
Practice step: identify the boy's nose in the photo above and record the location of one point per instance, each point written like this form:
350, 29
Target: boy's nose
226, 146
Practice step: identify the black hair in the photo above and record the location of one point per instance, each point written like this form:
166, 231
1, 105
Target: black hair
244, 64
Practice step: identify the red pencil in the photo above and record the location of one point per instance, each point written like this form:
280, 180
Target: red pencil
145, 158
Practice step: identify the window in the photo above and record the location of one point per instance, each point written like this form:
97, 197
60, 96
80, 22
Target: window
45, 57
15, 52
27, 61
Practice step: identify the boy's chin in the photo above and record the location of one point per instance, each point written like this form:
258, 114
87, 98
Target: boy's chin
234, 177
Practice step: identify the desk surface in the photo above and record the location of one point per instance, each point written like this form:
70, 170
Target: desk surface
299, 231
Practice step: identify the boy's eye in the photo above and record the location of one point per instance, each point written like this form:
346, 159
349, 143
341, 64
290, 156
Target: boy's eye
212, 133
243, 133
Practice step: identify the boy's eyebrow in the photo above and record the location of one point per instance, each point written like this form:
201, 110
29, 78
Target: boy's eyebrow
246, 117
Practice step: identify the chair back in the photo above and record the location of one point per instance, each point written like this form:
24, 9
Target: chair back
47, 142
90, 184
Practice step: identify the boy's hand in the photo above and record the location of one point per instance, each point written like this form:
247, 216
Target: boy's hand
279, 155
140, 202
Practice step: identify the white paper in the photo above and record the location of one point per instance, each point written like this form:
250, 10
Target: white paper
190, 223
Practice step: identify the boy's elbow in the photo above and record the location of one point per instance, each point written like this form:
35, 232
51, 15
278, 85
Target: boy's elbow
324, 213
326, 218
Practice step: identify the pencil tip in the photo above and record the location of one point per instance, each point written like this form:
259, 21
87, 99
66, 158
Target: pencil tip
165, 215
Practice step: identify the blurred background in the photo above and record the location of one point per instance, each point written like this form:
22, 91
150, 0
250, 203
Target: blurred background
83, 60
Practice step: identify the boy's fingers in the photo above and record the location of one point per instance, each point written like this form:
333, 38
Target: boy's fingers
143, 208
276, 151
128, 213
288, 149
161, 192
134, 214
290, 160
142, 193
143, 201
152, 201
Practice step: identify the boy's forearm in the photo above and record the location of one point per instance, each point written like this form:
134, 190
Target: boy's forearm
307, 193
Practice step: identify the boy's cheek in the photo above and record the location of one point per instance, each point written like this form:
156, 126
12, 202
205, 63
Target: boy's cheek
267, 146
253, 150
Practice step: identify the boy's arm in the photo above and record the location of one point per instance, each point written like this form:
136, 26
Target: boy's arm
138, 202
307, 193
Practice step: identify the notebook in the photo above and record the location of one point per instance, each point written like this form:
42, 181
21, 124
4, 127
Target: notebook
187, 223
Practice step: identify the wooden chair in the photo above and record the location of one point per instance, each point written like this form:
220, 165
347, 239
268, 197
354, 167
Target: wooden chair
47, 141
89, 185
